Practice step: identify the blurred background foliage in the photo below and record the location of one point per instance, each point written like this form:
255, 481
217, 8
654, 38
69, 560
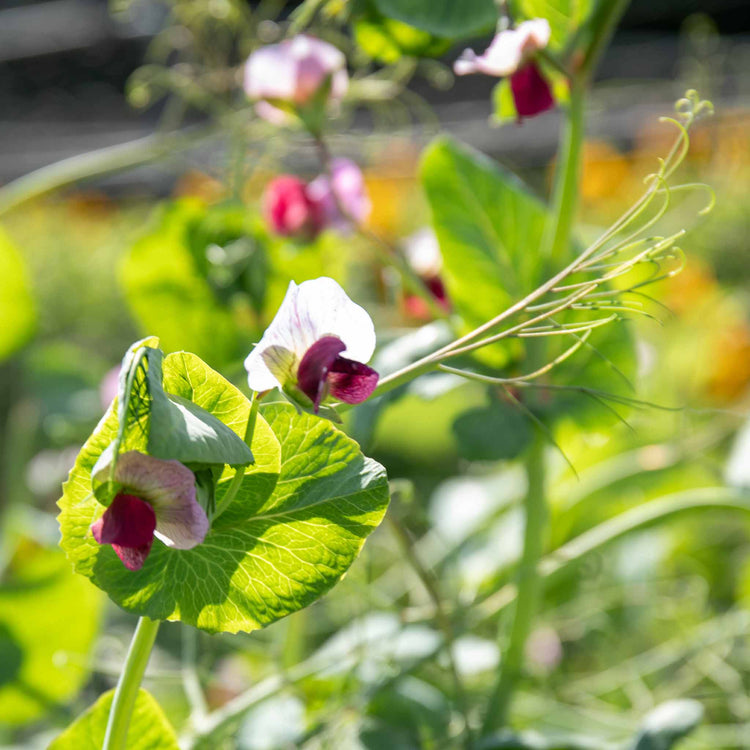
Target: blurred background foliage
630, 622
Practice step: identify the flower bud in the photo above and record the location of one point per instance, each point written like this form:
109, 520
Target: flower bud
288, 209
341, 198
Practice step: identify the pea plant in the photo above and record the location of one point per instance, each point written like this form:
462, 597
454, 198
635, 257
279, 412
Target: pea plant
228, 499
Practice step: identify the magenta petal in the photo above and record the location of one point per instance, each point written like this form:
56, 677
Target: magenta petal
531, 92
314, 367
128, 525
133, 557
351, 382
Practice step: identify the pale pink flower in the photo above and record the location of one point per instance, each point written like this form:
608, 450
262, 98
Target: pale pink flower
342, 197
293, 72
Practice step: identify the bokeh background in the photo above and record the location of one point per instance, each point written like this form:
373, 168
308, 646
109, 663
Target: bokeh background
89, 267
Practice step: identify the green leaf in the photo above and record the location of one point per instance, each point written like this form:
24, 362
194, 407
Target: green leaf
492, 432
667, 723
49, 619
149, 728
167, 291
17, 310
387, 40
444, 18
489, 226
504, 105
280, 544
564, 16
182, 429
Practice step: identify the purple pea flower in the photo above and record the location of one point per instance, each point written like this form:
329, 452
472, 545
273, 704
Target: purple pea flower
341, 198
317, 345
510, 54
156, 499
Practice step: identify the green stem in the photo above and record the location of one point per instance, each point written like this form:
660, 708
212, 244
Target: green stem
129, 684
528, 587
556, 240
239, 474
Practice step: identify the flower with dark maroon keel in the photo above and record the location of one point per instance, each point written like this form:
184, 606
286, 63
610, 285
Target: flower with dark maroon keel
316, 347
155, 498
511, 54
422, 252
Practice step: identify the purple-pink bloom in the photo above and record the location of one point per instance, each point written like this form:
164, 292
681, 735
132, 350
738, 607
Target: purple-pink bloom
289, 210
342, 197
155, 498
511, 54
293, 72
317, 345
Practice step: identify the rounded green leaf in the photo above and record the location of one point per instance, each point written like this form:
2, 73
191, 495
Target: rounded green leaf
298, 521
149, 728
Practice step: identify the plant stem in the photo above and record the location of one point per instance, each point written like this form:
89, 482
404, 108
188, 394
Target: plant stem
96, 164
528, 587
239, 474
556, 239
129, 684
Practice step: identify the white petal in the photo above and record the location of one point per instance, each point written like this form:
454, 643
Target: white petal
423, 252
271, 73
324, 309
310, 311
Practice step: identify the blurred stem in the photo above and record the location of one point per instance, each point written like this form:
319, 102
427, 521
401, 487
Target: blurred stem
96, 164
556, 239
239, 473
190, 681
528, 587
129, 684
432, 587
388, 254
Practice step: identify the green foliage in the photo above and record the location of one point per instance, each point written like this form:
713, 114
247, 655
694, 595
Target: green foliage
17, 310
149, 728
168, 292
564, 16
387, 39
492, 432
300, 517
489, 226
49, 619
443, 18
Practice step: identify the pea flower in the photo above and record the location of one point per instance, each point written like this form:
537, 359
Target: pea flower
341, 198
157, 498
510, 54
293, 73
422, 252
317, 345
289, 210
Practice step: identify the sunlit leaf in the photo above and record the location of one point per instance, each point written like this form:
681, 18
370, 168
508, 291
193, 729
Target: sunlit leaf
149, 728
564, 16
280, 544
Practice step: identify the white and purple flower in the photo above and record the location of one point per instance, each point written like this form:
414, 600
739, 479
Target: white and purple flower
156, 498
293, 73
422, 252
510, 54
317, 345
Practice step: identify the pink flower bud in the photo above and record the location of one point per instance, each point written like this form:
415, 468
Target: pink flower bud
288, 209
293, 72
341, 198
